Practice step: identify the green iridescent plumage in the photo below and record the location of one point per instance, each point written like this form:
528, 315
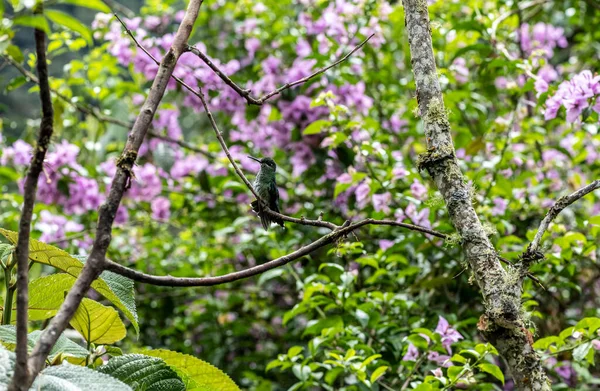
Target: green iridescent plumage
265, 186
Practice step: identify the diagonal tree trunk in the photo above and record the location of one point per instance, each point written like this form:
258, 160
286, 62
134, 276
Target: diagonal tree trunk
502, 322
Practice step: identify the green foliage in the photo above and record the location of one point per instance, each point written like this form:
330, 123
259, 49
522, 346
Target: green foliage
143, 373
196, 374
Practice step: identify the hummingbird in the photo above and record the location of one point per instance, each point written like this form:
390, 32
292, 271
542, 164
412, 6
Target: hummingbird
266, 188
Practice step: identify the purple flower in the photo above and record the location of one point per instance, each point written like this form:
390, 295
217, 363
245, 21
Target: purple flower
19, 153
437, 372
385, 244
411, 354
362, 194
449, 335
461, 72
55, 227
160, 208
418, 190
596, 344
440, 359
500, 205
381, 202
419, 218
147, 184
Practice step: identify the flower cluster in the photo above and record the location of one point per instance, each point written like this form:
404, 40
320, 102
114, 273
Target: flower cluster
574, 95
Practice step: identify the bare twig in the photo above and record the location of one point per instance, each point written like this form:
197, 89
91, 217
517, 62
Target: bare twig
96, 261
95, 112
333, 236
21, 375
244, 93
532, 251
518, 8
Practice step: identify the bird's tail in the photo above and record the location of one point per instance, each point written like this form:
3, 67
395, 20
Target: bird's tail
265, 219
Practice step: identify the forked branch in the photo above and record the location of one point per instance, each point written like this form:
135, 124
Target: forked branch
246, 94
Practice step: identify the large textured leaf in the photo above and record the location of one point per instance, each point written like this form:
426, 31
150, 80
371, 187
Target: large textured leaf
46, 294
70, 23
143, 373
67, 377
64, 346
117, 289
197, 374
7, 363
98, 323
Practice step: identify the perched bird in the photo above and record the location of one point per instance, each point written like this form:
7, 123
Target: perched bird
266, 188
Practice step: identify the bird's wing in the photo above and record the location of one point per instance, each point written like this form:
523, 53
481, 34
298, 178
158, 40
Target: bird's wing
274, 205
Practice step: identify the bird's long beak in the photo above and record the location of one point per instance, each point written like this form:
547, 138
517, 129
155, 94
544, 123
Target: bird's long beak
253, 158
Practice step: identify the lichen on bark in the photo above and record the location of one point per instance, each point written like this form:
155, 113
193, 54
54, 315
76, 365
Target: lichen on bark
503, 322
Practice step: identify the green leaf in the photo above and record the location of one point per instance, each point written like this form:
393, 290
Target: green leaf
119, 291
98, 323
544, 343
591, 324
36, 21
453, 372
294, 351
316, 127
378, 373
64, 346
142, 372
7, 363
197, 374
46, 294
269, 275
115, 288
93, 4
15, 52
316, 327
70, 23
76, 378
492, 370
582, 350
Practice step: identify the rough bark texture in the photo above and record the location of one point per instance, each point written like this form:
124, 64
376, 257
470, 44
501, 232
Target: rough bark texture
96, 261
502, 323
29, 193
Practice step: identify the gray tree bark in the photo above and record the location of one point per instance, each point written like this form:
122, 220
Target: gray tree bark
502, 322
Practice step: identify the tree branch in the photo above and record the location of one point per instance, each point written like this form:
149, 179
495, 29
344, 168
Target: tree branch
532, 253
244, 93
336, 234
501, 293
96, 261
21, 374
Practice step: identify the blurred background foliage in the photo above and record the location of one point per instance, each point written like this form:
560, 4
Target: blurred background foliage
387, 308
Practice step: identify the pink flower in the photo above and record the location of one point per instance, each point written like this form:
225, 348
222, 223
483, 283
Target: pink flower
440, 359
160, 208
500, 205
411, 354
362, 193
381, 202
449, 335
384, 244
418, 190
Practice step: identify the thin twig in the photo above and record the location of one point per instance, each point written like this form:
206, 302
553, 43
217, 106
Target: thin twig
245, 93
519, 8
561, 204
21, 375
